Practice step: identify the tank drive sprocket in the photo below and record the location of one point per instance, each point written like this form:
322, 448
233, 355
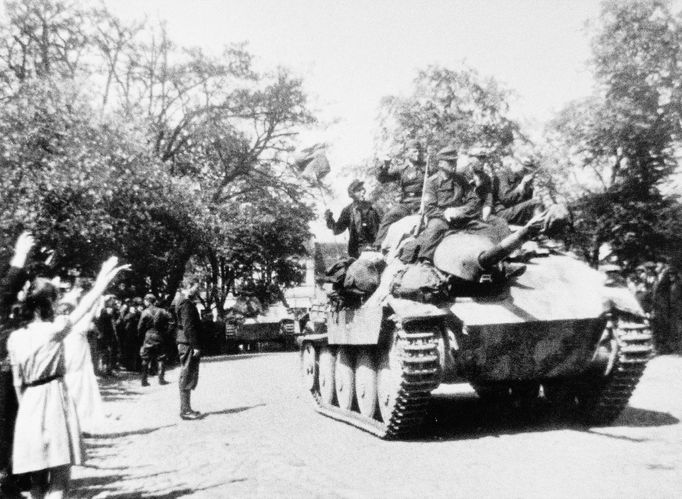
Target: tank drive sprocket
631, 346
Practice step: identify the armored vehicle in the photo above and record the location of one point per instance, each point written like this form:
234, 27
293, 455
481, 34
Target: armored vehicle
275, 324
513, 319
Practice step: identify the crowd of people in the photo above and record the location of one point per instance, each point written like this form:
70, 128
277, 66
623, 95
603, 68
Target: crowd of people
54, 339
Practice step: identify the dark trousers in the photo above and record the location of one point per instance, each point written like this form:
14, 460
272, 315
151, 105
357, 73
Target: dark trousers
189, 368
494, 229
399, 211
8, 415
518, 214
430, 237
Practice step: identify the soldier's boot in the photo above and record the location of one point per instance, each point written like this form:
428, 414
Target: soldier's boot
162, 373
186, 411
145, 373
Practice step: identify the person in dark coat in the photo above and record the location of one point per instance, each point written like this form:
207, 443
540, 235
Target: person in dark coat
513, 192
129, 325
188, 339
107, 342
410, 177
359, 218
450, 202
153, 328
10, 284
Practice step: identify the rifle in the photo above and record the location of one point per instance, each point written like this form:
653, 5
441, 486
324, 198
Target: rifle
420, 224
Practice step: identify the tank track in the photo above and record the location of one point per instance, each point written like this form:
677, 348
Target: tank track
419, 375
635, 347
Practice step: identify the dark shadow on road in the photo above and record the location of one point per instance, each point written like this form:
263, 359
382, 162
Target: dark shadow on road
114, 387
643, 418
465, 416
113, 486
141, 431
233, 410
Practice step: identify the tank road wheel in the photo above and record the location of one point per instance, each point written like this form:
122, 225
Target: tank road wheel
344, 377
389, 378
309, 368
326, 377
366, 383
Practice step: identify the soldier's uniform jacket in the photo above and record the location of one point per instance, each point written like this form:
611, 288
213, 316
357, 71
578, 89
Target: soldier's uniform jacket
442, 192
410, 178
154, 321
362, 222
188, 323
507, 189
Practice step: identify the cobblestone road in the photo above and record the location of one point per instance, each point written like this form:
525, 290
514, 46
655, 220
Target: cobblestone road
260, 437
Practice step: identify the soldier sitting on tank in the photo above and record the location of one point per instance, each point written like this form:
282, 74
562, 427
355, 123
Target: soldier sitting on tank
479, 179
359, 217
410, 177
451, 203
513, 192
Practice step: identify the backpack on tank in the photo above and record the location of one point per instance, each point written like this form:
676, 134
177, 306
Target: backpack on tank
422, 283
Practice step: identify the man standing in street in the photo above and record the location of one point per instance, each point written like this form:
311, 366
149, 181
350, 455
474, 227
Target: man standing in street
410, 177
153, 328
187, 339
359, 217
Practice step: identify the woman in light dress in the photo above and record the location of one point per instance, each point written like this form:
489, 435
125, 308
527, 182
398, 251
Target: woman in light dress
47, 439
81, 382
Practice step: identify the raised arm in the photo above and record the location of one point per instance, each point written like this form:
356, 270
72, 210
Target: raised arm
12, 282
106, 275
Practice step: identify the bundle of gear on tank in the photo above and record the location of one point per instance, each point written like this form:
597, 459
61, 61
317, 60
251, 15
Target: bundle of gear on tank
422, 283
353, 280
364, 274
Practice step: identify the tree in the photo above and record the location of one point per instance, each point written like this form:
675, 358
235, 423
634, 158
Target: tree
626, 133
107, 127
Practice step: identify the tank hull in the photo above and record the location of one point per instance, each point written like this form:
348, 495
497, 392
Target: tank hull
556, 325
525, 351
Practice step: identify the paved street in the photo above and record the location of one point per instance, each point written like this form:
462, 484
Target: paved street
260, 437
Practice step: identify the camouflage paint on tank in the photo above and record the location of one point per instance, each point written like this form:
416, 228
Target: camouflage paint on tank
552, 288
531, 350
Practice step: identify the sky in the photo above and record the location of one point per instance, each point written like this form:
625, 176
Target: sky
351, 53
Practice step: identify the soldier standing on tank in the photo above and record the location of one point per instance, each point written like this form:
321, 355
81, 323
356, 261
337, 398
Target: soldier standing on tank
153, 328
410, 177
359, 218
450, 202
188, 340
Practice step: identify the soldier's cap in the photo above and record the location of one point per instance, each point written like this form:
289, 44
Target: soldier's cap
355, 185
150, 298
448, 153
649, 265
414, 144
